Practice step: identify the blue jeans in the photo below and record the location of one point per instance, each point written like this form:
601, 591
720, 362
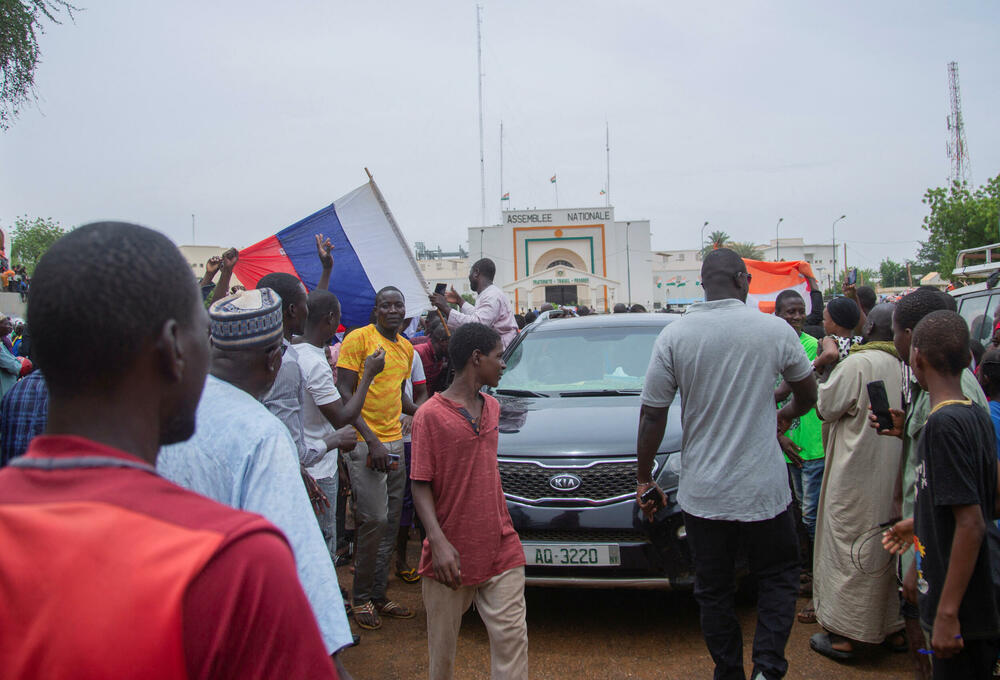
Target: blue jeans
806, 482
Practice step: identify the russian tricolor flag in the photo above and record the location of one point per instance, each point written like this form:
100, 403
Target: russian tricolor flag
369, 253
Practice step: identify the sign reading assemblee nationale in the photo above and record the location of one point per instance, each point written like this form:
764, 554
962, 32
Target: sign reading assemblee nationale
560, 217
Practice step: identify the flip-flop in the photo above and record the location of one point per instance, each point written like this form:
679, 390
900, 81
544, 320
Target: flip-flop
408, 575
807, 615
822, 644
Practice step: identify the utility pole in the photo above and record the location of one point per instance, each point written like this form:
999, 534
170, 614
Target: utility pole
479, 61
834, 228
607, 149
192, 228
501, 170
628, 264
777, 240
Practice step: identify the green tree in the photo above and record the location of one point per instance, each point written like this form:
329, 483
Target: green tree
746, 249
716, 240
893, 274
470, 298
21, 24
32, 237
959, 218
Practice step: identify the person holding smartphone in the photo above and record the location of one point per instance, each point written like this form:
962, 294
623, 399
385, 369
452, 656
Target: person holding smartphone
857, 605
492, 307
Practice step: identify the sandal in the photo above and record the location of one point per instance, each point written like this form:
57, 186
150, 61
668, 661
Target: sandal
408, 575
807, 615
822, 643
392, 609
365, 616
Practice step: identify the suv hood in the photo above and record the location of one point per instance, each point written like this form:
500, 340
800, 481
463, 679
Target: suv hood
577, 426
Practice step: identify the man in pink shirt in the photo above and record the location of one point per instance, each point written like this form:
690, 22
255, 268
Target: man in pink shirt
492, 307
472, 552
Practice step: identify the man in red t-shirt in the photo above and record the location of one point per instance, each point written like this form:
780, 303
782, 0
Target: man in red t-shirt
115, 572
472, 552
434, 356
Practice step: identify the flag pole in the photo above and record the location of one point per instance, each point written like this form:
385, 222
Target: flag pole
399, 235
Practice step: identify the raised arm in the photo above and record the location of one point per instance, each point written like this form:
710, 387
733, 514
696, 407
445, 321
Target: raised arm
324, 249
229, 260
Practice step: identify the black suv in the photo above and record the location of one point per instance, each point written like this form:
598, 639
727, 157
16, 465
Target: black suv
569, 413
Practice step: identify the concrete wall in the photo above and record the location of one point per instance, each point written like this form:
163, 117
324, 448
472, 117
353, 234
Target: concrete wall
11, 305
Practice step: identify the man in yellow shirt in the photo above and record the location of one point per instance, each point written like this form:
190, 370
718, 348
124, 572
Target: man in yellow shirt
378, 472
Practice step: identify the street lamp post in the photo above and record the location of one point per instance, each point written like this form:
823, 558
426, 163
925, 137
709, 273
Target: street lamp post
701, 246
777, 240
834, 228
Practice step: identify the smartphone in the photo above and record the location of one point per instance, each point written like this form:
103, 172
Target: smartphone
440, 288
651, 494
852, 276
880, 404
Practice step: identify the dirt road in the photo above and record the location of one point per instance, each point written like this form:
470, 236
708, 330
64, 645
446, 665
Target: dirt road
596, 634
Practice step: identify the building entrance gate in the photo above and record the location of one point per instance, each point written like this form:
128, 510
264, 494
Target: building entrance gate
561, 295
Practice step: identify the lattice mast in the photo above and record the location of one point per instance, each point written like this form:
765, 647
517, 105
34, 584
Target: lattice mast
958, 147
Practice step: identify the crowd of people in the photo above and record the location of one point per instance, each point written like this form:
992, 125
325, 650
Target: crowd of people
895, 518
179, 511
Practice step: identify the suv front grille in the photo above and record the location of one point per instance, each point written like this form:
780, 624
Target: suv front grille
584, 535
601, 483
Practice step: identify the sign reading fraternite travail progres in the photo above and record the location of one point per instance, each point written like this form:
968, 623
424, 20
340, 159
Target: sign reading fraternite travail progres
559, 217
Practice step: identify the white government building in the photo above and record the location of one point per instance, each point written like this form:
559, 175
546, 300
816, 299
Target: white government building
576, 256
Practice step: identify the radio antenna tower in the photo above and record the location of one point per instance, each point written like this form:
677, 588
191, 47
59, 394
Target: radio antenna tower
958, 148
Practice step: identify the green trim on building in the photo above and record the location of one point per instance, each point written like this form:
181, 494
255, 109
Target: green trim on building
527, 260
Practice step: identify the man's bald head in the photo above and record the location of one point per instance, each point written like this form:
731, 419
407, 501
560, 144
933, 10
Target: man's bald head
878, 327
721, 275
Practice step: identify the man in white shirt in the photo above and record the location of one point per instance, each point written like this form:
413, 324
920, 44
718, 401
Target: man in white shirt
323, 412
492, 307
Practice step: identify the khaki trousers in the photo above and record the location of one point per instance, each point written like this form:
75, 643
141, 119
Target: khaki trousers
500, 602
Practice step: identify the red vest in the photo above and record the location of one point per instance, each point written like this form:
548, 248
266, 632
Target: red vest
95, 561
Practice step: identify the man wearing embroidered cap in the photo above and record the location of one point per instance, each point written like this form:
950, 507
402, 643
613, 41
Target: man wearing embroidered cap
244, 456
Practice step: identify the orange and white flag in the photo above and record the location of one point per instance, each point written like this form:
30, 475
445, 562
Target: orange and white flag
770, 278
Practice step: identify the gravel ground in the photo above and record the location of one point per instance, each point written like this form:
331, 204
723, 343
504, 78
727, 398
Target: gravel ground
595, 634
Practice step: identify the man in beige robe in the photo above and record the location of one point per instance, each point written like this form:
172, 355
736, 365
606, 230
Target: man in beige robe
857, 605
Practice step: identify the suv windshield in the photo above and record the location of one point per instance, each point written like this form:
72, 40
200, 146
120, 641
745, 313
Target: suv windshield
563, 361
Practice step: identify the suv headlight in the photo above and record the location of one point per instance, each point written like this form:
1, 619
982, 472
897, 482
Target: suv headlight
670, 473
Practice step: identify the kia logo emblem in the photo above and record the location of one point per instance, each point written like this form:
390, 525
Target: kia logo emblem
565, 482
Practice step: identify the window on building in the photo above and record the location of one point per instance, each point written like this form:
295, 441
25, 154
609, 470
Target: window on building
680, 257
440, 265
559, 263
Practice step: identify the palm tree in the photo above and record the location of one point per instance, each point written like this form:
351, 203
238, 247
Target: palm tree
716, 240
746, 249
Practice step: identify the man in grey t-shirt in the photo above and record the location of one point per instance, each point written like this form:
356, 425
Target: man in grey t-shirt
724, 358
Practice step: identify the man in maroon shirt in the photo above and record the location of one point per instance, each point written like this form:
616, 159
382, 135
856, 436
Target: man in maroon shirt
118, 572
434, 356
472, 552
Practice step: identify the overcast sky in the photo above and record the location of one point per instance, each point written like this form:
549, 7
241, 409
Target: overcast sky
252, 115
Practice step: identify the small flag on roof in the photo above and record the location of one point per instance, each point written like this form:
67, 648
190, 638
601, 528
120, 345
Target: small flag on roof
553, 179
505, 197
603, 192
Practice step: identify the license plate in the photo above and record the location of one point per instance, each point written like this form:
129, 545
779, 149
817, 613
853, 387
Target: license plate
572, 554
